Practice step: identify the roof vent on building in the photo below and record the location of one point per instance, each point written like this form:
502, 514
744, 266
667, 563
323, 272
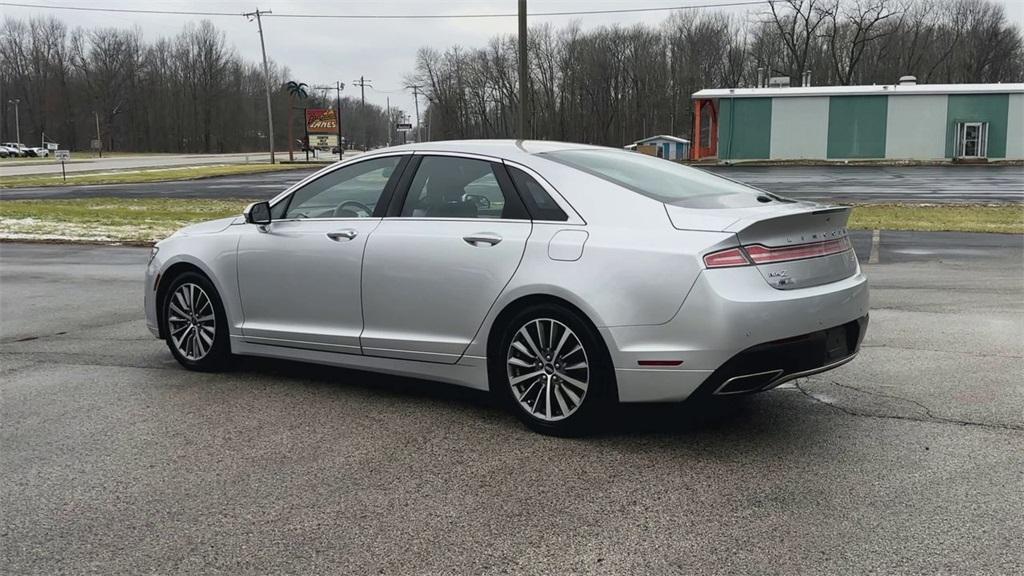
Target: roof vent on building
908, 80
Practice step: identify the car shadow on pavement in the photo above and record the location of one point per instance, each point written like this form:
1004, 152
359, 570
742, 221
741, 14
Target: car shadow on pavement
705, 415
370, 381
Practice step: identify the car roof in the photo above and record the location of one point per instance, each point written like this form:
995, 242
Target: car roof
510, 149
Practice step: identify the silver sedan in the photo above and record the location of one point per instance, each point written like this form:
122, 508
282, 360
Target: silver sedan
564, 278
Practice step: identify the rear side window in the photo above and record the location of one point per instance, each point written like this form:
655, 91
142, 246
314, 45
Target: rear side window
655, 178
538, 202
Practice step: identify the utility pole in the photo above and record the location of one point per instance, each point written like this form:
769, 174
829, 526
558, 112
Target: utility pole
266, 75
17, 120
387, 121
524, 107
338, 86
363, 83
98, 139
416, 99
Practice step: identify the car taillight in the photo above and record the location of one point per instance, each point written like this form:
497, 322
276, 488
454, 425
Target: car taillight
726, 258
760, 254
765, 255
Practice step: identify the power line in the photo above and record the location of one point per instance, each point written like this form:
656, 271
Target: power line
121, 10
395, 16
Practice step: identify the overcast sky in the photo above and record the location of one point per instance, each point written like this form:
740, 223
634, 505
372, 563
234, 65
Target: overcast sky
320, 51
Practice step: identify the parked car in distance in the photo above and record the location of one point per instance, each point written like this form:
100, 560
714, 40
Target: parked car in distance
564, 278
39, 152
4, 152
16, 149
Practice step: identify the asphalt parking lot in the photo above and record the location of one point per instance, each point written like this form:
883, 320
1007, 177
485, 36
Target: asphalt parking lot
113, 460
849, 184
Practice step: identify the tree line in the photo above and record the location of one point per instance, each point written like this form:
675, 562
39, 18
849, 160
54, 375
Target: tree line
189, 93
193, 92
614, 85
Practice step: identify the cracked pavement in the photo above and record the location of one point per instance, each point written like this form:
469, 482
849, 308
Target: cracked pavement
113, 460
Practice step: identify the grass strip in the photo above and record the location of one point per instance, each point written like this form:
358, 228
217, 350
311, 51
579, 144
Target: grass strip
146, 220
129, 220
1008, 218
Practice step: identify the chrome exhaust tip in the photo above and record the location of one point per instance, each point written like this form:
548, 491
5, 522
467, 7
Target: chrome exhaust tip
747, 383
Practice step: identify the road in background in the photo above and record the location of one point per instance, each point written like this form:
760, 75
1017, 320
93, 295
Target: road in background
116, 460
851, 184
81, 162
262, 186
886, 184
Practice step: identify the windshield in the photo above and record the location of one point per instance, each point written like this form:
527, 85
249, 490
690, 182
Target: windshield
655, 178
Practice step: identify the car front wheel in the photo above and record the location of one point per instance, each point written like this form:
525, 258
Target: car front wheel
195, 325
554, 371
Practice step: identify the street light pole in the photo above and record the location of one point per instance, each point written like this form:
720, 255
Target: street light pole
266, 75
17, 120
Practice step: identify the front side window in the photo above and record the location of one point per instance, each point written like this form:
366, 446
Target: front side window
452, 187
350, 192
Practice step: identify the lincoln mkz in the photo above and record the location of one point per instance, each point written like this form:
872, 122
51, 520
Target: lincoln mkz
564, 278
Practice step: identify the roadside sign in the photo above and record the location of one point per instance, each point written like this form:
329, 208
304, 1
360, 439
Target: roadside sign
323, 141
321, 120
95, 144
403, 126
63, 156
52, 146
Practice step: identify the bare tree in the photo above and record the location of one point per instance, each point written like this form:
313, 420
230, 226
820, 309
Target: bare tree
851, 27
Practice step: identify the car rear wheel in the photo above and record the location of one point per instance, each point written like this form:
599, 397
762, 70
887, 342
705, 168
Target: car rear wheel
553, 371
195, 325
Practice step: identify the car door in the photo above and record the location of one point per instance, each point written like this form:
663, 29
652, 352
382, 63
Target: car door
452, 240
299, 276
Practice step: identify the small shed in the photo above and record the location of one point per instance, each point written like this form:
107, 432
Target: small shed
663, 146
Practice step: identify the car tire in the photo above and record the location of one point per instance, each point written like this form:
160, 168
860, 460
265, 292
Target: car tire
552, 370
192, 310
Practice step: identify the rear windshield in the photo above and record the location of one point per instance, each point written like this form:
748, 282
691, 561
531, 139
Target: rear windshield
655, 178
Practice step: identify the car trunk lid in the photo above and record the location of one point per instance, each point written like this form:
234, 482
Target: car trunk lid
792, 244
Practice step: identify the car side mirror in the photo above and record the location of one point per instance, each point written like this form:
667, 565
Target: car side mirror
257, 213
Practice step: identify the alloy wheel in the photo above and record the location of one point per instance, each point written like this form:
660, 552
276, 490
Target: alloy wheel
548, 370
192, 322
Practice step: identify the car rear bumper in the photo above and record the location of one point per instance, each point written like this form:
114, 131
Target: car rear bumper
765, 366
719, 332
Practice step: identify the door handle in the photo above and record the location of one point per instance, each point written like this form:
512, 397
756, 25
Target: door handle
342, 235
482, 238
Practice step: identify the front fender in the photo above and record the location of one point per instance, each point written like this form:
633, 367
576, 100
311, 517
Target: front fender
215, 255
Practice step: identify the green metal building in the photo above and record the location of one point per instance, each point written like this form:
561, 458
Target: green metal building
906, 121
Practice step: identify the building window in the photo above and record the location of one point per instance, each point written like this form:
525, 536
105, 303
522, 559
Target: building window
972, 140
